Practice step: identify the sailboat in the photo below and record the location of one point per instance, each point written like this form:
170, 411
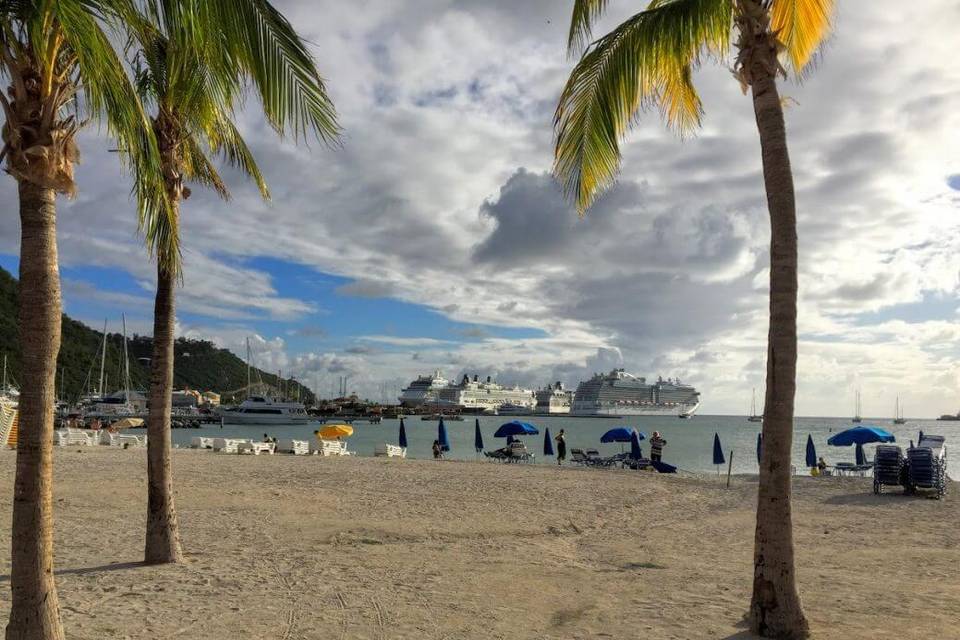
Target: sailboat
856, 413
898, 413
753, 409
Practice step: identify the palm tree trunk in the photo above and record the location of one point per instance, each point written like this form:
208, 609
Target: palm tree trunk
35, 608
775, 608
163, 528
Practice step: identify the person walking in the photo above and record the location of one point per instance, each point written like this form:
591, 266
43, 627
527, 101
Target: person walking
561, 439
657, 443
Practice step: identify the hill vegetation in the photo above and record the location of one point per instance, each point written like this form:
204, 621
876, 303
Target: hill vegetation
198, 364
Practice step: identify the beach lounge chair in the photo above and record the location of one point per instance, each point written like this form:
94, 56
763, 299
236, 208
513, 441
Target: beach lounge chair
72, 437
519, 452
256, 448
228, 445
389, 451
928, 466
296, 447
327, 448
200, 442
888, 467
577, 456
630, 463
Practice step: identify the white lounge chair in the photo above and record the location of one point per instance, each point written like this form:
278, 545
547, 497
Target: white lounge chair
73, 437
256, 448
228, 445
328, 448
389, 451
296, 447
201, 442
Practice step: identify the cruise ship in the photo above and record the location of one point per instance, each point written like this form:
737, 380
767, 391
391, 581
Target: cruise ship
619, 393
476, 396
425, 389
554, 399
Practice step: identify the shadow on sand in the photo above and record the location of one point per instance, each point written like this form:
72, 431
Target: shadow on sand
79, 571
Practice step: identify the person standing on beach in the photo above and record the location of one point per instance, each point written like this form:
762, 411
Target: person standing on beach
561, 447
657, 443
437, 450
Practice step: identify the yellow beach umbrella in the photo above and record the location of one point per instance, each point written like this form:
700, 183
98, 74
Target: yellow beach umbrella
128, 423
332, 431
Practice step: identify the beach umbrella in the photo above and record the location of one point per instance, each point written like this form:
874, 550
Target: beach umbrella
619, 434
547, 443
861, 456
128, 423
811, 452
860, 435
759, 446
635, 452
718, 458
403, 435
516, 428
442, 436
333, 431
477, 437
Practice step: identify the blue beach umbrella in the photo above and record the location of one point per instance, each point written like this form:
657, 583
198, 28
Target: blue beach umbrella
442, 436
403, 435
811, 452
477, 437
759, 446
516, 428
861, 455
635, 452
620, 434
547, 443
718, 458
860, 435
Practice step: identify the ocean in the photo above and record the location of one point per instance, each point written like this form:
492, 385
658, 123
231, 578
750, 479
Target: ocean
689, 442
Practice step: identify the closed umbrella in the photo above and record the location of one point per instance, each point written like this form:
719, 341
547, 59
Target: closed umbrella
547, 443
861, 455
759, 447
718, 458
811, 452
477, 437
403, 435
635, 452
920, 438
442, 436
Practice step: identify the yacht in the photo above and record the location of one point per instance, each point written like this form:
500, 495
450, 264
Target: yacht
511, 409
266, 410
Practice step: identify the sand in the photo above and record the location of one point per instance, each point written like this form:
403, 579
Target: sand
284, 547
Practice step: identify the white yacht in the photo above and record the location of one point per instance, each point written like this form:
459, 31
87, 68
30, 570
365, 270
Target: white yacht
266, 410
511, 409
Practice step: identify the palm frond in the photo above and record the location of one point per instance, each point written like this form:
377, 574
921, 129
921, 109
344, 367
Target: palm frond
226, 141
585, 14
647, 60
802, 26
198, 168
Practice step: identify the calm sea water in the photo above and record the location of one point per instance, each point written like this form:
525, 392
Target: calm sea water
689, 442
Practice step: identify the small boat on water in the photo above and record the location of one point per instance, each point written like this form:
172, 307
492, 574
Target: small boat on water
856, 411
753, 409
513, 409
265, 410
898, 413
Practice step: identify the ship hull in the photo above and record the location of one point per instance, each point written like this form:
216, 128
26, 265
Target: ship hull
230, 417
628, 410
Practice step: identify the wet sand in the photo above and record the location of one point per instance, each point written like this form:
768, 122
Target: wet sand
284, 547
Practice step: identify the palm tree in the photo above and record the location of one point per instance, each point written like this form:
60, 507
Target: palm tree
191, 62
60, 65
648, 61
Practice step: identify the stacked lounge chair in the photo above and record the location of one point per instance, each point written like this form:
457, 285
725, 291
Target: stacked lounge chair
888, 467
389, 451
928, 466
296, 447
256, 448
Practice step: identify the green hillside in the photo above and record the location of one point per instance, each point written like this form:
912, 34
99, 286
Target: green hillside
198, 364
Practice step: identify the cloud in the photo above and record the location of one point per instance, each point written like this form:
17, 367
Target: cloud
365, 289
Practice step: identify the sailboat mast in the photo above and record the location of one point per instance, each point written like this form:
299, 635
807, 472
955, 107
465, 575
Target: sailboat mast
4, 373
248, 367
126, 362
103, 357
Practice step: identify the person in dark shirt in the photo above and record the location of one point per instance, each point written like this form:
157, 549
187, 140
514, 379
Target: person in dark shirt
437, 450
561, 447
657, 443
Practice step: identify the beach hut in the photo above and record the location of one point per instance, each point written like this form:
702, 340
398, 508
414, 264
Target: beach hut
718, 458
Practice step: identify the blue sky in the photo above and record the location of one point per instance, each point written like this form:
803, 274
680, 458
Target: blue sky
436, 238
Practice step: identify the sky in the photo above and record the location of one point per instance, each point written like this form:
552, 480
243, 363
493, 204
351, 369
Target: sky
436, 238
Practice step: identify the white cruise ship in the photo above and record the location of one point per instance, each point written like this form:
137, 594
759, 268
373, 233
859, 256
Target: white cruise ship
425, 389
621, 394
554, 399
264, 410
476, 396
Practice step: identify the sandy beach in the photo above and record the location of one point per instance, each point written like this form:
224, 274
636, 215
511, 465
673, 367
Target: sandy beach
284, 547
